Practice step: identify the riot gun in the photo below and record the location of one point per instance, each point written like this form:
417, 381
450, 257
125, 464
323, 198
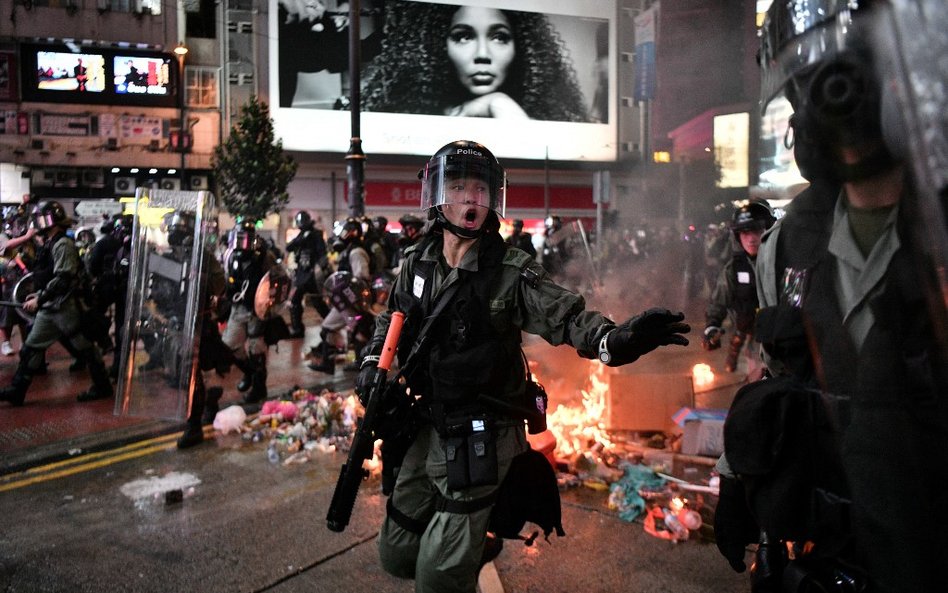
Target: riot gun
363, 441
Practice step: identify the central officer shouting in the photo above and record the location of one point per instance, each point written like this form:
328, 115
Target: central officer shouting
470, 374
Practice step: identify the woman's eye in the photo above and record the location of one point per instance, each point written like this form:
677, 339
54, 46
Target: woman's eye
461, 35
502, 36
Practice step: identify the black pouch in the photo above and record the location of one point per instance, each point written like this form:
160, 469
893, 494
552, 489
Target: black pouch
482, 459
535, 400
455, 455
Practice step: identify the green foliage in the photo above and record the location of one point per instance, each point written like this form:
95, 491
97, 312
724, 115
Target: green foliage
251, 169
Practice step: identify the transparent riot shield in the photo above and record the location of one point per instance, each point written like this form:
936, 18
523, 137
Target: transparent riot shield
170, 241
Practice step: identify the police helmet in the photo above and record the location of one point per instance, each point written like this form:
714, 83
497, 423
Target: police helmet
49, 214
244, 236
122, 225
350, 230
180, 228
518, 225
754, 215
379, 223
410, 220
347, 292
553, 224
463, 159
303, 220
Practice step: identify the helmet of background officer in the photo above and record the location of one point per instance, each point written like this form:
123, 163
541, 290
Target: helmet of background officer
517, 226
50, 215
180, 228
379, 224
84, 238
122, 225
347, 233
243, 239
820, 55
552, 224
464, 189
15, 220
749, 222
411, 229
303, 220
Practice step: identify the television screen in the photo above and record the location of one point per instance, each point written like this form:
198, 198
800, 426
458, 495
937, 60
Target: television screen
141, 75
62, 71
546, 91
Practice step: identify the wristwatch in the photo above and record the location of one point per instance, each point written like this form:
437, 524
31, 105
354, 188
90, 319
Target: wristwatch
604, 356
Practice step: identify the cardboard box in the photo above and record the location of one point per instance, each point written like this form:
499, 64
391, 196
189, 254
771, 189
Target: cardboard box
703, 437
646, 402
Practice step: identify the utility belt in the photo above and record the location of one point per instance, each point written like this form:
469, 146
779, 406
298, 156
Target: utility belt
468, 438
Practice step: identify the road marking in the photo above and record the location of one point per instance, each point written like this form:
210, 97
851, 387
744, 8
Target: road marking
91, 461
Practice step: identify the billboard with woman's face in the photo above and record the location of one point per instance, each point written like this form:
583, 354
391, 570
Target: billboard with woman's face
524, 82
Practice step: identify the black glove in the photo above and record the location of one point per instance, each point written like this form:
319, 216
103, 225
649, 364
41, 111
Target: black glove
734, 527
712, 337
642, 334
366, 378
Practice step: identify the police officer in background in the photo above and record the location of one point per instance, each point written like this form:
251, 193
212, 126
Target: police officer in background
309, 249
850, 305
438, 514
353, 258
58, 308
122, 232
411, 233
521, 240
735, 292
249, 261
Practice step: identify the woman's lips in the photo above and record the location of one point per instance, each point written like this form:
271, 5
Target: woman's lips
482, 78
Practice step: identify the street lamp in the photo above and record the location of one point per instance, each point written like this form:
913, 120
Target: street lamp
181, 50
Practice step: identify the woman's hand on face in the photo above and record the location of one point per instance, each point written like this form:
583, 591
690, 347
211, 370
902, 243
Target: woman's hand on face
496, 104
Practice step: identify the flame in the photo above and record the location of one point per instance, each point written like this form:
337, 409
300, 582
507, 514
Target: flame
676, 504
702, 375
579, 429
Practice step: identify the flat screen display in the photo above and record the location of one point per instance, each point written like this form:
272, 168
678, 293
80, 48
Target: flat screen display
529, 79
70, 72
139, 75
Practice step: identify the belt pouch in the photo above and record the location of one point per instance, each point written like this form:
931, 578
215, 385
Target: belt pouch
482, 459
455, 455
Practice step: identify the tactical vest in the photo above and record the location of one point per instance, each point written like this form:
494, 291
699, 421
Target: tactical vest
745, 293
243, 276
468, 354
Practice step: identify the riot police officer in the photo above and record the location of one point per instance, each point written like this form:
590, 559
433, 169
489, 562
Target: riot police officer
437, 521
122, 232
852, 305
58, 308
353, 258
735, 292
309, 248
520, 239
248, 262
412, 232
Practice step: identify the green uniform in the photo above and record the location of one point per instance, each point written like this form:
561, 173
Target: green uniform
442, 553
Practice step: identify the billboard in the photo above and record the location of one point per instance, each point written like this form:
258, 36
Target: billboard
777, 168
524, 81
57, 74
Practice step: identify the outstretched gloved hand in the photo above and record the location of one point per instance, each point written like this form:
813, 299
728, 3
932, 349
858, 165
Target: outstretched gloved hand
642, 334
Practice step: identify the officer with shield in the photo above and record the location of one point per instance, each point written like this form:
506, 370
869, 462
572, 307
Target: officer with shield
58, 308
248, 263
309, 249
852, 296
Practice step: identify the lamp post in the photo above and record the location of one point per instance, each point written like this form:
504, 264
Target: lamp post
181, 50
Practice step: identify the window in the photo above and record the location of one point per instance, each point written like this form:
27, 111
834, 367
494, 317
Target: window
202, 84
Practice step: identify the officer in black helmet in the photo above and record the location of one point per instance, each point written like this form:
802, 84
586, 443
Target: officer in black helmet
464, 443
735, 293
412, 232
249, 260
852, 308
56, 303
352, 258
309, 249
521, 239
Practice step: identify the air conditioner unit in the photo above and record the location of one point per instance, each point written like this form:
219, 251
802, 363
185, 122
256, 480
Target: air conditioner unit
42, 178
93, 178
67, 178
170, 183
199, 182
124, 185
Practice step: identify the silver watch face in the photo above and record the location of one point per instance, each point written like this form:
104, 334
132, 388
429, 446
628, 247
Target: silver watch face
604, 357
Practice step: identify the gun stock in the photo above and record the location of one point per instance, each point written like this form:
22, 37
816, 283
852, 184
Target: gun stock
363, 442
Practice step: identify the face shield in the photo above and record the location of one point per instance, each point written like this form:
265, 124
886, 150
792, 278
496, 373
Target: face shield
463, 179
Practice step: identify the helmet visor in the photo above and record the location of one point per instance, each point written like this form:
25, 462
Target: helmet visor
798, 34
460, 179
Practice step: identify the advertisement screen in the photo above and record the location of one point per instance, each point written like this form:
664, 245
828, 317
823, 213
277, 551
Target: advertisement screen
137, 75
525, 82
777, 168
71, 72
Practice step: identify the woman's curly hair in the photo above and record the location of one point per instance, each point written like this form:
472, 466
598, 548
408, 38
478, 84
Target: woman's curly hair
412, 73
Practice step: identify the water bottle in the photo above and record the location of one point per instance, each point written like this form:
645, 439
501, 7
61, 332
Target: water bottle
675, 526
273, 454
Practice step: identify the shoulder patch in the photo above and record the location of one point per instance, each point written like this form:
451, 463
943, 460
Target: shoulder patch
517, 258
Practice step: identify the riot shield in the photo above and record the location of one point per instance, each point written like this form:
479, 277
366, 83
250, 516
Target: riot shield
165, 303
272, 292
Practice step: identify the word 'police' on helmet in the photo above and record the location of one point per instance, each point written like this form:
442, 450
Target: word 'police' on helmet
756, 215
458, 160
49, 214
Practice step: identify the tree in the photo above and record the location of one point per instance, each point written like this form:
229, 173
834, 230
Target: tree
251, 168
